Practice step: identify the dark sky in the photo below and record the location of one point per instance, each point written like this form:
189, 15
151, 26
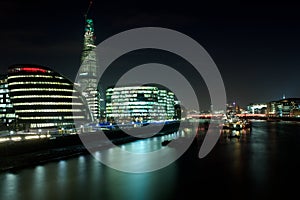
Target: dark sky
256, 45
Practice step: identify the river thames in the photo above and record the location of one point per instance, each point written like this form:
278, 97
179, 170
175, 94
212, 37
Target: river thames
261, 164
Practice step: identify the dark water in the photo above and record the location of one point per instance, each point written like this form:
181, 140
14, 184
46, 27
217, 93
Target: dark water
262, 164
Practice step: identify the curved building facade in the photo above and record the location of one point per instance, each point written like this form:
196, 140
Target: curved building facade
43, 98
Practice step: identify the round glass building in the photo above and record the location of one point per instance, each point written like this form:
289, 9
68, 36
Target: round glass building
43, 98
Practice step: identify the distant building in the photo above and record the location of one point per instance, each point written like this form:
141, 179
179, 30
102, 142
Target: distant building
179, 110
139, 103
7, 113
272, 109
43, 98
258, 108
232, 108
287, 107
295, 113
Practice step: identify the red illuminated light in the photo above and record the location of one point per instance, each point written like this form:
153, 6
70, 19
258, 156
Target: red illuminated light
31, 69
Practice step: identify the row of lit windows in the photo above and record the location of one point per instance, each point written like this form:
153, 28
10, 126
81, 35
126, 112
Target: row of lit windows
5, 105
8, 115
117, 96
129, 115
73, 117
3, 91
133, 103
155, 107
4, 95
130, 92
163, 115
130, 111
131, 107
118, 115
41, 89
46, 103
51, 117
30, 76
42, 117
120, 99
48, 110
133, 91
41, 125
134, 88
38, 82
6, 100
123, 96
128, 106
43, 96
92, 99
136, 111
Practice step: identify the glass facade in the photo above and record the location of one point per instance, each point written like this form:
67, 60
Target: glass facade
139, 103
87, 76
102, 104
43, 98
7, 113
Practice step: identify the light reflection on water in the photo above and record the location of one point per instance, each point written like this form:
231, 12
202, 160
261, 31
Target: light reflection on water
120, 157
259, 164
150, 144
9, 186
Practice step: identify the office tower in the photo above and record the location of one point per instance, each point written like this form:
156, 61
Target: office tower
87, 76
139, 103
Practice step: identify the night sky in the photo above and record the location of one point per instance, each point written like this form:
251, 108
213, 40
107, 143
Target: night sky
256, 45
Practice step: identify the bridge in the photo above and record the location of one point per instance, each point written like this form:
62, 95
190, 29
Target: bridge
246, 115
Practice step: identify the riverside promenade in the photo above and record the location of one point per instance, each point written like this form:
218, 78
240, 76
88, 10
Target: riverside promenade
25, 153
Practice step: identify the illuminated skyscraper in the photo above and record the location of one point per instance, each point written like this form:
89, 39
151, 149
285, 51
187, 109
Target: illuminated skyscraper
88, 46
87, 78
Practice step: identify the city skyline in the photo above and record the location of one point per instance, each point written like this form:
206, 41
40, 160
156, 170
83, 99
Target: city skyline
255, 46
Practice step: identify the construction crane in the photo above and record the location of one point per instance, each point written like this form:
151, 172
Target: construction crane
86, 13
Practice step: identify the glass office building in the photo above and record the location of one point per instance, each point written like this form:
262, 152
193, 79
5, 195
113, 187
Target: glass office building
43, 98
139, 103
7, 113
